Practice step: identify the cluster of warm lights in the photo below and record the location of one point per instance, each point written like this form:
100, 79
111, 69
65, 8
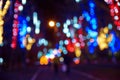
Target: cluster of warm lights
103, 38
29, 42
2, 14
43, 60
114, 6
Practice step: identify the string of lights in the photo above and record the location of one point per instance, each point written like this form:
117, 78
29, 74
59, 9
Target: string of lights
3, 11
114, 6
91, 29
15, 24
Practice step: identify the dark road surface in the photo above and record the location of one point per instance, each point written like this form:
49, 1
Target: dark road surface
79, 72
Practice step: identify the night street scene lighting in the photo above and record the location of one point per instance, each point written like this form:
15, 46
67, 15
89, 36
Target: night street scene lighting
59, 39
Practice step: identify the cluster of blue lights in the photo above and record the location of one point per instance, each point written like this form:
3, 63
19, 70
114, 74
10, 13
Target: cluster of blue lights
114, 44
22, 31
70, 26
91, 29
43, 42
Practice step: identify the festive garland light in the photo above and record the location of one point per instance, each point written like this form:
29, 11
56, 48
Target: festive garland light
104, 38
73, 30
15, 24
92, 27
114, 44
114, 6
29, 42
36, 22
2, 14
22, 31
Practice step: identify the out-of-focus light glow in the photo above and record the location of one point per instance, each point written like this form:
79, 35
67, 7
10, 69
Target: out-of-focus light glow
70, 47
29, 42
65, 30
51, 23
68, 22
65, 25
55, 51
68, 35
78, 1
3, 11
52, 56
35, 17
20, 8
118, 4
114, 44
39, 54
74, 41
42, 42
66, 42
22, 31
61, 59
1, 3
104, 40
61, 42
75, 19
110, 26
36, 22
76, 60
37, 29
28, 29
77, 26
1, 60
77, 44
24, 2
105, 30
114, 11
58, 24
43, 60
116, 17
28, 18
77, 52
92, 27
91, 33
108, 1
91, 4
86, 15
16, 25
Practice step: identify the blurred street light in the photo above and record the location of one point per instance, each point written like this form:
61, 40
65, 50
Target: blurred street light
51, 23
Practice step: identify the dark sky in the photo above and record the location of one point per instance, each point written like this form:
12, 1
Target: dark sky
63, 8
57, 9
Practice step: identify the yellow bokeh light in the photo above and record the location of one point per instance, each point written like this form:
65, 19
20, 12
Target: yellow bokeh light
77, 52
104, 40
29, 42
3, 11
1, 39
105, 30
43, 60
